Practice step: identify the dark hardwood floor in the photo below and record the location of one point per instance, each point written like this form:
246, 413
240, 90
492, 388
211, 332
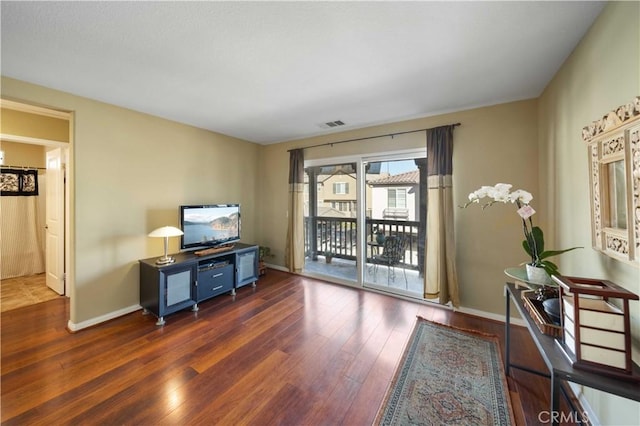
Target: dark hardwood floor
294, 351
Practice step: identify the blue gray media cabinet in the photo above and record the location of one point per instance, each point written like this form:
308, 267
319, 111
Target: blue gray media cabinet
191, 279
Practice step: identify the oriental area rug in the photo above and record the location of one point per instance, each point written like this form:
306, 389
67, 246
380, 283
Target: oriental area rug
448, 376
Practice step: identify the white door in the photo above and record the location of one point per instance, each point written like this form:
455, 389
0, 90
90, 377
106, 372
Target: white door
55, 221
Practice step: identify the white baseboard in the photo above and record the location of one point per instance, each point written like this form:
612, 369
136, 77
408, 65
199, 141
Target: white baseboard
587, 410
276, 267
73, 327
491, 316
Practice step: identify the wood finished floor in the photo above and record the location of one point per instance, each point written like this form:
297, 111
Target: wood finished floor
24, 291
294, 351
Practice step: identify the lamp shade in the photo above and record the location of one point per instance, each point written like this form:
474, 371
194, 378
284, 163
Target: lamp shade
166, 231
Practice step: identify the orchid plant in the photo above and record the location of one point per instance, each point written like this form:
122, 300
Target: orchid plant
533, 243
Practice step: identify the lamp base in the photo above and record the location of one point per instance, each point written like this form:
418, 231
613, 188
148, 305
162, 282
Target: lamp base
165, 260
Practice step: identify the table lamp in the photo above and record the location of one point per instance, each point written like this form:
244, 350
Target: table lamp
166, 232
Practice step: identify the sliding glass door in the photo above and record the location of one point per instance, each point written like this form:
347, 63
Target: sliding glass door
395, 217
331, 210
365, 222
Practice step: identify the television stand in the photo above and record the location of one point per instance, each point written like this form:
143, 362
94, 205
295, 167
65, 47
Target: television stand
191, 279
214, 250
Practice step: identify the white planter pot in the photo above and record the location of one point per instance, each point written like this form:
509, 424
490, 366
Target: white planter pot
538, 275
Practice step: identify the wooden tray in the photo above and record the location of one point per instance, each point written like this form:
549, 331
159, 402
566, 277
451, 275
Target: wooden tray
539, 316
213, 250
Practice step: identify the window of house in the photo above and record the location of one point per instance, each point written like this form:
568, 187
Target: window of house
397, 198
341, 188
344, 206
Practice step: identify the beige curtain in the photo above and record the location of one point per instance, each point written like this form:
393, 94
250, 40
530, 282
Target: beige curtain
294, 251
22, 246
440, 269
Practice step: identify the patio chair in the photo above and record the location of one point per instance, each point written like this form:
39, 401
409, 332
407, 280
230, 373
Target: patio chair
392, 255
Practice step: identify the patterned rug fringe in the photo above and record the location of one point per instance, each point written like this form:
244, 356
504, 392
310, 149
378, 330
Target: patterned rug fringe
455, 327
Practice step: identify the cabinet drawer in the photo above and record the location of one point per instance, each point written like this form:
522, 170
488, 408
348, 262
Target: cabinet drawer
212, 282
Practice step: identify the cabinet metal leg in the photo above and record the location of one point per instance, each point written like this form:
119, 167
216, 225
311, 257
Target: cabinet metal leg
195, 308
507, 333
233, 291
555, 399
253, 284
160, 321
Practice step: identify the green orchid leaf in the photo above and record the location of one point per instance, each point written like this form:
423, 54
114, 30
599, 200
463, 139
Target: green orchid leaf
538, 236
534, 247
550, 267
546, 254
534, 243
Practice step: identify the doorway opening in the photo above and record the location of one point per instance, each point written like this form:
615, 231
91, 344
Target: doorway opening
31, 143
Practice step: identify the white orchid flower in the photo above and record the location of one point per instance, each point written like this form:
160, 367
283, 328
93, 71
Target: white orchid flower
483, 191
503, 187
521, 195
500, 192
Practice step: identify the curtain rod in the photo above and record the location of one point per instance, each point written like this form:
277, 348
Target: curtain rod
372, 137
22, 167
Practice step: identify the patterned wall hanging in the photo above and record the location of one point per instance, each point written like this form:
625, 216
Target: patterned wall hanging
15, 182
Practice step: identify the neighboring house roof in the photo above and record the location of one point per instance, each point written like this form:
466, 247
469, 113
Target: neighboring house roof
323, 178
330, 212
408, 178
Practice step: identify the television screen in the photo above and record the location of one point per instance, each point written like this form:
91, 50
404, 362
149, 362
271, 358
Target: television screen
209, 225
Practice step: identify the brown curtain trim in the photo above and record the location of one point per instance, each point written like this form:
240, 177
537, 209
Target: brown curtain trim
296, 166
440, 150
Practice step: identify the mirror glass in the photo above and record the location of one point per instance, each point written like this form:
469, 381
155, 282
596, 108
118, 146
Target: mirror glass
617, 195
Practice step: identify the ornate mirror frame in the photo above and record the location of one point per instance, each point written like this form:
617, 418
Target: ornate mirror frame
614, 176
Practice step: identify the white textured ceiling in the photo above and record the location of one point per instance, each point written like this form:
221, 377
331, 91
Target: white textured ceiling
272, 71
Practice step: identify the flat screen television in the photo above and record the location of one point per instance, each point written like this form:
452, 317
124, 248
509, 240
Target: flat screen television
210, 225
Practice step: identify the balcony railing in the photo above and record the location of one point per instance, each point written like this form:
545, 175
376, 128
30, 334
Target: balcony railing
339, 237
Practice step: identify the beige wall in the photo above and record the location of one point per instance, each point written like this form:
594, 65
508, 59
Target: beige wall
493, 144
131, 172
32, 125
20, 154
601, 74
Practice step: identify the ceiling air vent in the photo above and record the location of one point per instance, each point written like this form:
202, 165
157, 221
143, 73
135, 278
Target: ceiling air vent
331, 124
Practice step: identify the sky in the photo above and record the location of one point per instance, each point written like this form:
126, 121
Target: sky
397, 167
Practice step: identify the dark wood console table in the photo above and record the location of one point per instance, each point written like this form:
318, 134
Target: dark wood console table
558, 365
